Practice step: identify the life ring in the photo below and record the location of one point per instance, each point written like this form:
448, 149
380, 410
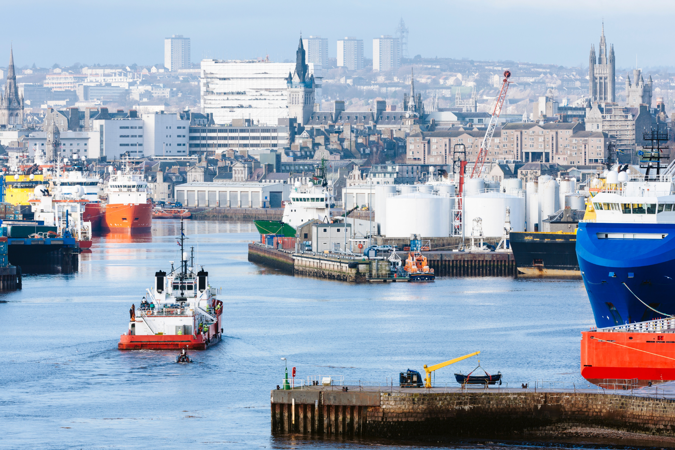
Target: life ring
360, 246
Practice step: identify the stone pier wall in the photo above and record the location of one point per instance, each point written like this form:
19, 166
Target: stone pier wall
270, 257
331, 269
462, 414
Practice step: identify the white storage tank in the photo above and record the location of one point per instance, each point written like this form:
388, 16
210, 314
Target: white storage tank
474, 186
491, 208
511, 185
548, 198
425, 188
407, 188
532, 204
564, 190
381, 194
447, 190
424, 214
576, 201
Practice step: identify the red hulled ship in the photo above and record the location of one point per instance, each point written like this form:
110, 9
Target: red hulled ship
643, 352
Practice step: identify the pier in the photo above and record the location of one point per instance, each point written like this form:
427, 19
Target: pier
43, 255
468, 413
360, 269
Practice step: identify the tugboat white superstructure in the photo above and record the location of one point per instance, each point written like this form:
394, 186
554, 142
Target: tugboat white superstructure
180, 311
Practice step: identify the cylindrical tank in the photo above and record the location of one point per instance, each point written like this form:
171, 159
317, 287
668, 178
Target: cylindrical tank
492, 185
548, 199
511, 185
447, 190
565, 189
381, 194
491, 208
407, 189
532, 202
474, 186
424, 214
576, 201
425, 188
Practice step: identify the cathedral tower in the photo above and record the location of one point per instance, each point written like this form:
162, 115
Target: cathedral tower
601, 75
11, 104
300, 89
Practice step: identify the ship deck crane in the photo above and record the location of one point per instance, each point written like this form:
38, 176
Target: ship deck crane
429, 370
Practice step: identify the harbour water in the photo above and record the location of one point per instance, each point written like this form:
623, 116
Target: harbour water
64, 384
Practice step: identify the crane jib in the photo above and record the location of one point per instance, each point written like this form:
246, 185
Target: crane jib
487, 140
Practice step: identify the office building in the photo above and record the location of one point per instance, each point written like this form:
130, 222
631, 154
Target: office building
165, 135
350, 53
241, 134
386, 54
177, 52
246, 90
317, 50
119, 133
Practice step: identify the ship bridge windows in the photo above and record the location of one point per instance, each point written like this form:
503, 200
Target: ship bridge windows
665, 207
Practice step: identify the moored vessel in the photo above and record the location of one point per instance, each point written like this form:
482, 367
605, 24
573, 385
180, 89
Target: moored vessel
180, 311
128, 208
306, 203
627, 253
171, 213
632, 355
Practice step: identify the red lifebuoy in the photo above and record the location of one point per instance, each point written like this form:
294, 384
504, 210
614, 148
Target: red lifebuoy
360, 246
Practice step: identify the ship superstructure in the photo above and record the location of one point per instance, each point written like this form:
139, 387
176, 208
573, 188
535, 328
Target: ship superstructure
309, 202
179, 311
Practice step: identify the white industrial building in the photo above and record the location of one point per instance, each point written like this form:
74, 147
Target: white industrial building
350, 53
74, 144
386, 54
253, 90
177, 52
232, 195
317, 50
165, 135
119, 136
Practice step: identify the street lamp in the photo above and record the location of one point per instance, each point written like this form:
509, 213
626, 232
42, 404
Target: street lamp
287, 386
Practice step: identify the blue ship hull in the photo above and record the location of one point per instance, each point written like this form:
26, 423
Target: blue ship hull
627, 279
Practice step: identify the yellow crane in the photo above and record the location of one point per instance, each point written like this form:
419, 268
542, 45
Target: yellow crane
428, 370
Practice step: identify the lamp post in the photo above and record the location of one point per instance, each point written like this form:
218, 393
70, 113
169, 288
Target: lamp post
287, 386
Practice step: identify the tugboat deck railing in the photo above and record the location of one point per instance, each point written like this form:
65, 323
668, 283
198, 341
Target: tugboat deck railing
650, 326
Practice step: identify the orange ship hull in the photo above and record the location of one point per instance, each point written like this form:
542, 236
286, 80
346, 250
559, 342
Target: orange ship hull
127, 218
645, 357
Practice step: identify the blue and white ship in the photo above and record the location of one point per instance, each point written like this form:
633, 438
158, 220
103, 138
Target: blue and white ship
627, 253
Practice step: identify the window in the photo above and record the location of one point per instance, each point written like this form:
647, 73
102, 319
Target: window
625, 208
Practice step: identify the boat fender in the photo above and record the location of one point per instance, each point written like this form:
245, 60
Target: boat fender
360, 246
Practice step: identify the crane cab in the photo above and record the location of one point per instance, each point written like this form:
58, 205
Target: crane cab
410, 379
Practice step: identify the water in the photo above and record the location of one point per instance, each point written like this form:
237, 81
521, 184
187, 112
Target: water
63, 383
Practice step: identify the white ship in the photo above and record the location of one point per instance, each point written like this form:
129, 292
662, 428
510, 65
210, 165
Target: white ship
179, 312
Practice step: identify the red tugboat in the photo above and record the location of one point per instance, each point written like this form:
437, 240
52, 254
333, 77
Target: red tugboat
179, 312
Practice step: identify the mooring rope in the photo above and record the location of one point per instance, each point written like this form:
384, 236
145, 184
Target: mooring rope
667, 315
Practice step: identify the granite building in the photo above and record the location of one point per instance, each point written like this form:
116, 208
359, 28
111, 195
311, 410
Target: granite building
601, 78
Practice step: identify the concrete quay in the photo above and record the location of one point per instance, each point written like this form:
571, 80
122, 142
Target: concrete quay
358, 269
471, 413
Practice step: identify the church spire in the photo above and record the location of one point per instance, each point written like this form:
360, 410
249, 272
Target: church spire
10, 68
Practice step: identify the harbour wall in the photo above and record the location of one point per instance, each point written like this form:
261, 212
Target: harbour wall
357, 269
269, 256
10, 278
479, 414
467, 264
249, 214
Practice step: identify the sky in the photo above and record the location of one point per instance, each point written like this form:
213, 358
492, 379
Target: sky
132, 31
